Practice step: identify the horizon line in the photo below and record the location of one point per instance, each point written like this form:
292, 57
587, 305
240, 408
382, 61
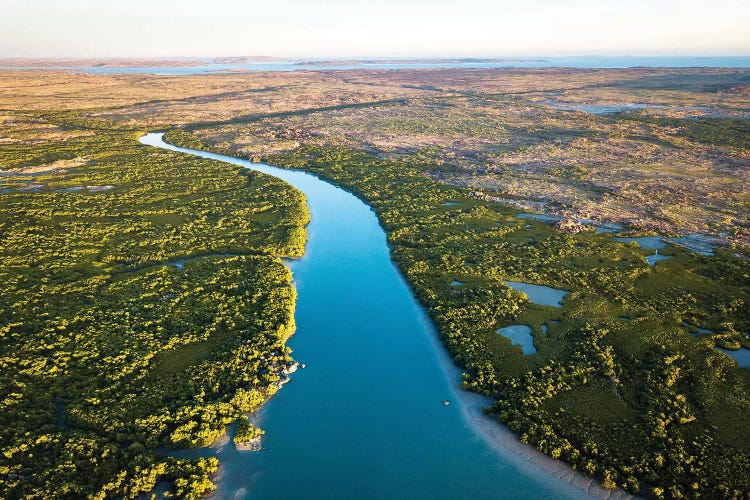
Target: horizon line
378, 57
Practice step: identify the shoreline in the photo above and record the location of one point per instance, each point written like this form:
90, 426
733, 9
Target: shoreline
501, 439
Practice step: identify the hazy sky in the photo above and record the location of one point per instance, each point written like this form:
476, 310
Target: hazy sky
156, 28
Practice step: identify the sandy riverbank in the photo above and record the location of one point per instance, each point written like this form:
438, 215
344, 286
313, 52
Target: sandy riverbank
503, 440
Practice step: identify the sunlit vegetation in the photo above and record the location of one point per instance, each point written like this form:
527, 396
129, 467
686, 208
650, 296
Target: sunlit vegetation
112, 352
676, 167
143, 317
619, 388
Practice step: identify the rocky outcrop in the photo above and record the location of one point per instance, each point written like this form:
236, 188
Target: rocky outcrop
571, 226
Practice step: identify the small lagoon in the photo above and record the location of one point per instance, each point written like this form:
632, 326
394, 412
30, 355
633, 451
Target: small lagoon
539, 217
647, 242
655, 257
539, 294
698, 243
654, 243
740, 356
519, 335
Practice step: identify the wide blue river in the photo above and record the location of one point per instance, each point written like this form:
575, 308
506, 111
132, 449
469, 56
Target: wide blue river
365, 419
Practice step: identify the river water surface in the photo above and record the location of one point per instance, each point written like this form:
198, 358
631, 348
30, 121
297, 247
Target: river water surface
365, 419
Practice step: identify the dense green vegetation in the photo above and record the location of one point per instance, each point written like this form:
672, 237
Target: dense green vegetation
619, 388
144, 307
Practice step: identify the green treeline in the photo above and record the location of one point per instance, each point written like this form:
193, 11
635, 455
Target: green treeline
144, 306
620, 387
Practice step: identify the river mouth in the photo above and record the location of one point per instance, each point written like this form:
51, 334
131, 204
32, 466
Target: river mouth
366, 417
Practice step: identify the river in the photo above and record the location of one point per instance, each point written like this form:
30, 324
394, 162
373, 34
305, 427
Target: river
365, 419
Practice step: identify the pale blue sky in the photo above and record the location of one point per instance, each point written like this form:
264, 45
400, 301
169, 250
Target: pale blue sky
317, 28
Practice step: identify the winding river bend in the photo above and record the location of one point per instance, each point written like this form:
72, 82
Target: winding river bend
365, 419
